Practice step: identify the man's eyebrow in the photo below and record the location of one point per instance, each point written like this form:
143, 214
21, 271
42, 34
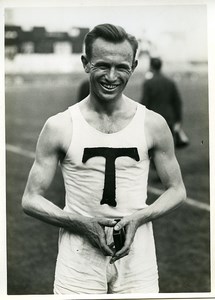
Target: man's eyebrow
123, 64
102, 63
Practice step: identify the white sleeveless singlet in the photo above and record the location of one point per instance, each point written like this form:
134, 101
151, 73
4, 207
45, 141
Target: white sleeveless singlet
100, 165
106, 175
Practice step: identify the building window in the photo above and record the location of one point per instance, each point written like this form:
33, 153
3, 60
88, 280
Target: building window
62, 48
27, 47
10, 52
11, 35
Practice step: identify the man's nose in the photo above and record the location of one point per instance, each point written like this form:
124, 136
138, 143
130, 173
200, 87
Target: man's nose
111, 74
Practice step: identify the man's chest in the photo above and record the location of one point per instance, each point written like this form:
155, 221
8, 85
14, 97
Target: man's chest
109, 124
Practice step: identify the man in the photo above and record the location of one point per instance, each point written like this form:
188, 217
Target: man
103, 152
161, 95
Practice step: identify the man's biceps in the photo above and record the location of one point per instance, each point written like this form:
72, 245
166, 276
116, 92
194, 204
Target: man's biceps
46, 153
166, 165
164, 157
48, 143
40, 177
168, 162
171, 173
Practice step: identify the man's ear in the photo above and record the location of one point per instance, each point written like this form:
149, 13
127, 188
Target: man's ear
85, 63
134, 65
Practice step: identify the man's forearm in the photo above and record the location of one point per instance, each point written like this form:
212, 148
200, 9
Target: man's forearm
91, 228
168, 201
44, 210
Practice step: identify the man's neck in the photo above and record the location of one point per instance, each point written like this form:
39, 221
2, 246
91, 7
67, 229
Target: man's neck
106, 107
111, 117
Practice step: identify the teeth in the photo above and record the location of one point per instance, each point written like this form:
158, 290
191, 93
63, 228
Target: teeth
108, 86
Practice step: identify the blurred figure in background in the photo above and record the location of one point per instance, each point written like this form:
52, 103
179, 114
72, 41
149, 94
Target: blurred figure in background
84, 90
161, 95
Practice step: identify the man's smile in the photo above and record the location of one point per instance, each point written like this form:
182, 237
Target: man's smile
108, 86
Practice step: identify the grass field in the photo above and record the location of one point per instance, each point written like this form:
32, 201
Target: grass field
182, 237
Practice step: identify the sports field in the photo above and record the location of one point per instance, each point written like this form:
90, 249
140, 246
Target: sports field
182, 237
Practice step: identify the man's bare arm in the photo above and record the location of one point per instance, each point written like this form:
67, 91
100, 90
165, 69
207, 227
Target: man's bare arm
50, 148
41, 175
161, 141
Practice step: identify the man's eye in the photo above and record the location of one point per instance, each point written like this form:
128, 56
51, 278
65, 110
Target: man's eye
124, 69
102, 67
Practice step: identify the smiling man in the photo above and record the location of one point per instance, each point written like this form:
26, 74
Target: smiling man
106, 242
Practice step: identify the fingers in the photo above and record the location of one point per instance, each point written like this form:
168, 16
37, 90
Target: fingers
117, 224
107, 222
120, 224
120, 254
125, 249
107, 250
112, 246
130, 230
97, 236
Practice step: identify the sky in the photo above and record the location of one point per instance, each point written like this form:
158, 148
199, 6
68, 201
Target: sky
176, 30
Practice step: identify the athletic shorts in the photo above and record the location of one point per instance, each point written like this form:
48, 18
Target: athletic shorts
83, 269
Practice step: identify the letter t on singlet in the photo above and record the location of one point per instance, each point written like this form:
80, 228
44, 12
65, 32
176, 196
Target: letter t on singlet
110, 155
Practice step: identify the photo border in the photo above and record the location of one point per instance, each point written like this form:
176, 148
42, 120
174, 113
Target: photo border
211, 80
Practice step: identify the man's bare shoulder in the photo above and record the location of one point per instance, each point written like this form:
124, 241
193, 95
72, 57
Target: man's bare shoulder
58, 121
58, 129
154, 120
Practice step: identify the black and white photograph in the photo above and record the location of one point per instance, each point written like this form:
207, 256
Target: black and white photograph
108, 138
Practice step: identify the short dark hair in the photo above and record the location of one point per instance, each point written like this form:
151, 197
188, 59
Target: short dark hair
111, 33
156, 63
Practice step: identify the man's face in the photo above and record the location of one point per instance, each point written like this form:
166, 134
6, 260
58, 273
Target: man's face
110, 68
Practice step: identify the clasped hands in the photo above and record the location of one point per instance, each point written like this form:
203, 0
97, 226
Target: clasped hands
93, 229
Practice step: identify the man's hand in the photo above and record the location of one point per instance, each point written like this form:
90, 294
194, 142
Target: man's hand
131, 223
93, 229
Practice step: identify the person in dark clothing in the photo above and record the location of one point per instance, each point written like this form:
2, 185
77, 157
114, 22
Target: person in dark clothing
161, 95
